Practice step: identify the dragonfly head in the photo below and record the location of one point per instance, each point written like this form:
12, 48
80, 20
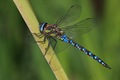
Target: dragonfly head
42, 26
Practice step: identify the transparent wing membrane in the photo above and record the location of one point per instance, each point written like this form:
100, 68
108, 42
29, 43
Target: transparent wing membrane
80, 28
71, 15
58, 46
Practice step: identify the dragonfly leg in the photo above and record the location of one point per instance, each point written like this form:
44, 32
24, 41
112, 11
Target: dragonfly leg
49, 42
55, 42
46, 49
43, 40
40, 36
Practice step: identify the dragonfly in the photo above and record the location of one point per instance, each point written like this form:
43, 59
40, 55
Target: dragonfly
62, 28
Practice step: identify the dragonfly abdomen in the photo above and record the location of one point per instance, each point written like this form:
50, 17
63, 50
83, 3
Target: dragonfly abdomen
94, 57
64, 38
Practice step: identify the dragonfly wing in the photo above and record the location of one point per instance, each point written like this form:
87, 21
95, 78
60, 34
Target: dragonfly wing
81, 27
71, 15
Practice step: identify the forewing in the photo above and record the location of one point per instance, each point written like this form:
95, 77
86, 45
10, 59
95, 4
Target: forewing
71, 15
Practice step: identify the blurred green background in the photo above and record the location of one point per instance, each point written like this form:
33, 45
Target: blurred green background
22, 60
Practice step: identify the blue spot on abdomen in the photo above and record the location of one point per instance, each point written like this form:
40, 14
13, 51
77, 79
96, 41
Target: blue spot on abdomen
64, 38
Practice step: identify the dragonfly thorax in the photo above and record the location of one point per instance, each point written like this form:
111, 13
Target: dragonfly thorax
51, 30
